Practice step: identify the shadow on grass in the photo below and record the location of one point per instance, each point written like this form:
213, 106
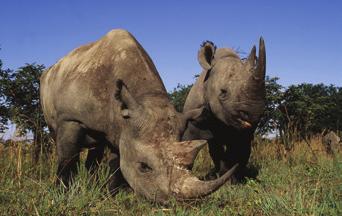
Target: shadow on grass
249, 172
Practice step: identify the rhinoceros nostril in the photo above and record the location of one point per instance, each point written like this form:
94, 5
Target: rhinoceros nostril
223, 93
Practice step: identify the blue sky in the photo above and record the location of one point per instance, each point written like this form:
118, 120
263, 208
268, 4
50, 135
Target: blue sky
303, 38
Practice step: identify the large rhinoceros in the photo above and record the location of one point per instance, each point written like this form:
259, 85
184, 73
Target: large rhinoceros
231, 93
109, 93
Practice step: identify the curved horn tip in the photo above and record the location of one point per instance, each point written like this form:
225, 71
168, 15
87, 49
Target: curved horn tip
202, 142
199, 144
232, 170
192, 188
261, 43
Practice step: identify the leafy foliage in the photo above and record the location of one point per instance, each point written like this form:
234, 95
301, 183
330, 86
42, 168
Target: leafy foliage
4, 111
311, 109
178, 96
274, 96
20, 101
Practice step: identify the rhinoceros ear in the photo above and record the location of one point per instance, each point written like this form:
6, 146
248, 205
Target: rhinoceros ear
206, 54
128, 103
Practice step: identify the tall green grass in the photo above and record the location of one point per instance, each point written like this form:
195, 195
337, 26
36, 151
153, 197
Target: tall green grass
305, 181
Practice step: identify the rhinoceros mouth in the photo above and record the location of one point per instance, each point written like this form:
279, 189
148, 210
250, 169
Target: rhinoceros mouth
244, 124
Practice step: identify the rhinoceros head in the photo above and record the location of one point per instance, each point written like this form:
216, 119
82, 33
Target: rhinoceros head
152, 159
234, 88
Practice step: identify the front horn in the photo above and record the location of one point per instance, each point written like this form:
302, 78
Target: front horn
190, 187
261, 67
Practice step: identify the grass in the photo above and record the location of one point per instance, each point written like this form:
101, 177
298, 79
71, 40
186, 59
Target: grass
304, 181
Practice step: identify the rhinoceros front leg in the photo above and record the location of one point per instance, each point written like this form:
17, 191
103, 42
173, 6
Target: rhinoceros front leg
69, 138
236, 152
116, 179
217, 154
225, 154
94, 157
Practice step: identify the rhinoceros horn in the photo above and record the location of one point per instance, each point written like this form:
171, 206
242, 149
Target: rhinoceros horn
186, 185
184, 153
189, 186
252, 57
261, 66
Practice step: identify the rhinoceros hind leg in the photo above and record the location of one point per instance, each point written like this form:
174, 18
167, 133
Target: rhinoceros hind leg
69, 138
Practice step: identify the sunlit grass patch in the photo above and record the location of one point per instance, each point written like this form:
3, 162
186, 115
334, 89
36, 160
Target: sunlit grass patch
305, 181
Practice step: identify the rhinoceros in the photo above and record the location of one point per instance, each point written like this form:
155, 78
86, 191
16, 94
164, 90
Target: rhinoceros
331, 142
109, 93
231, 93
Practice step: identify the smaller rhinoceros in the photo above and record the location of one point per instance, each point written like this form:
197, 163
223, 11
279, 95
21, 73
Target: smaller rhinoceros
231, 92
331, 142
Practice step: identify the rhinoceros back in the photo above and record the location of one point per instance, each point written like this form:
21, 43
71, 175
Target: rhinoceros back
81, 86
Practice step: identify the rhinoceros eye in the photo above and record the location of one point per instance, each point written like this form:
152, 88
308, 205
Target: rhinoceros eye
144, 168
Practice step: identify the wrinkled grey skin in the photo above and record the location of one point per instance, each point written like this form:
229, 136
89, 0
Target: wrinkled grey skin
231, 93
109, 93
